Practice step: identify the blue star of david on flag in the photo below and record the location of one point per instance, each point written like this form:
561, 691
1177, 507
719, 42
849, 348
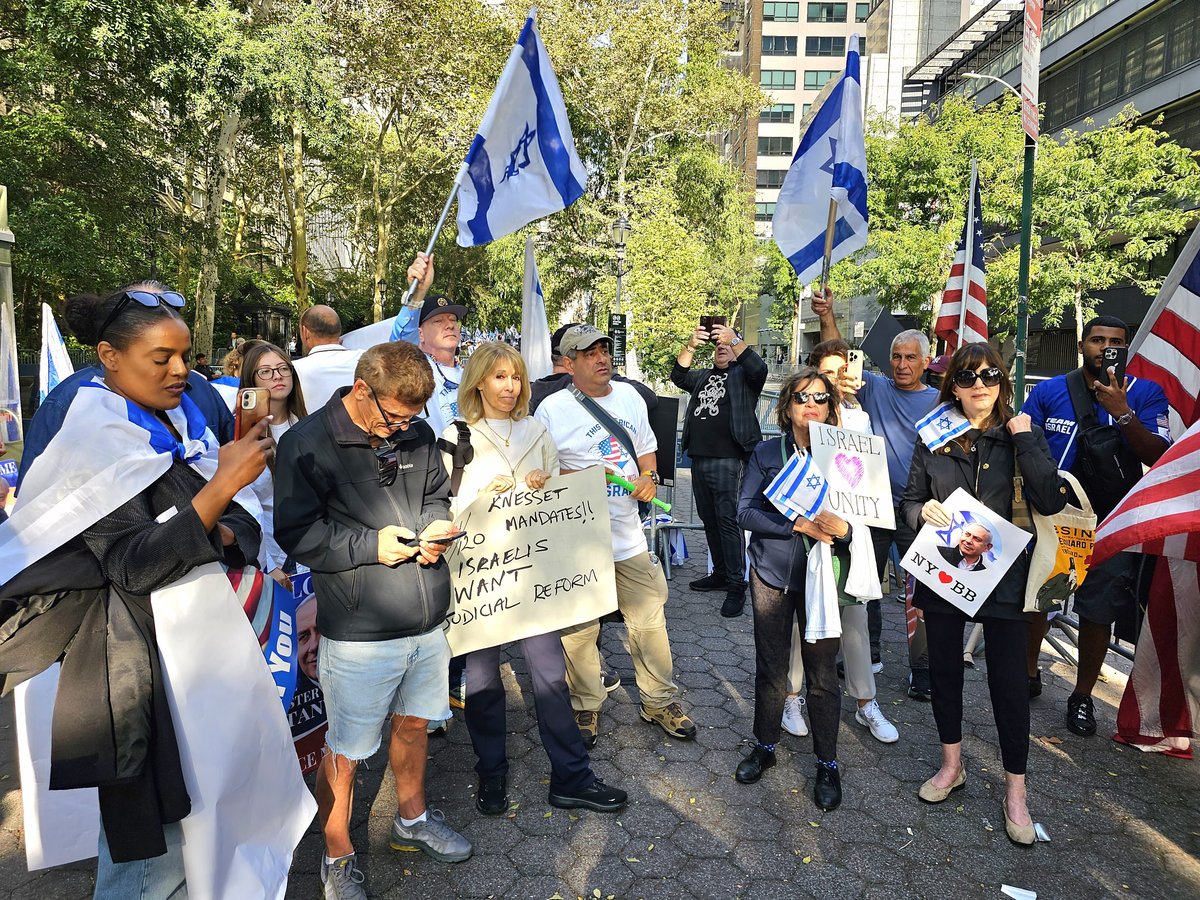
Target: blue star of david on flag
941, 425
799, 489
514, 168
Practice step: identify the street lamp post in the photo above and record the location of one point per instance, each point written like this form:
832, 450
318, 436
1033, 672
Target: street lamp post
1026, 241
619, 232
382, 287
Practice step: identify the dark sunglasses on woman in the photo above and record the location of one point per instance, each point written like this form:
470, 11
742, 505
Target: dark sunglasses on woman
802, 397
990, 377
148, 299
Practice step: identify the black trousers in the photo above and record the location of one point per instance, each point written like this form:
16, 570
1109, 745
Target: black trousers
715, 484
1008, 681
570, 766
774, 612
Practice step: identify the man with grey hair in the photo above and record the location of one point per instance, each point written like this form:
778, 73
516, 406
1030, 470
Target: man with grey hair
895, 405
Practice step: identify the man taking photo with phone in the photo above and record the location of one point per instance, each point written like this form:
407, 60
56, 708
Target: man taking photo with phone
1103, 431
720, 431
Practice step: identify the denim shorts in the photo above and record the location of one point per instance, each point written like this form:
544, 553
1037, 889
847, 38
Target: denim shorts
365, 682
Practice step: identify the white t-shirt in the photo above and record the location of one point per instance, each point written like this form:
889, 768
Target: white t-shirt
326, 368
442, 408
584, 442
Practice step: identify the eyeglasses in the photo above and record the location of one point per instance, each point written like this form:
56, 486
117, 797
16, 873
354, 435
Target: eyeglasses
802, 397
278, 371
990, 377
388, 466
388, 423
148, 299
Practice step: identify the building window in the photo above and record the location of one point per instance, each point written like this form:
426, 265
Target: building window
781, 12
861, 11
778, 79
764, 212
814, 79
827, 12
780, 113
805, 108
769, 179
824, 46
774, 146
778, 45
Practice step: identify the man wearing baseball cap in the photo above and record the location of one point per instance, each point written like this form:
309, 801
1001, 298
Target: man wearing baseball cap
583, 440
440, 330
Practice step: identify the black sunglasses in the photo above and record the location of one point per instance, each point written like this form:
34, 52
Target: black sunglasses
990, 377
802, 397
148, 299
388, 466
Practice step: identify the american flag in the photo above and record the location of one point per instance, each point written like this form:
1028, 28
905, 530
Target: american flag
1161, 516
966, 274
1166, 348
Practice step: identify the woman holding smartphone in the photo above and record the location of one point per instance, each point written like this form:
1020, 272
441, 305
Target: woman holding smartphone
983, 462
509, 448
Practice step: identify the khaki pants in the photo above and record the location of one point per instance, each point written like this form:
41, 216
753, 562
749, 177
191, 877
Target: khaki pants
642, 598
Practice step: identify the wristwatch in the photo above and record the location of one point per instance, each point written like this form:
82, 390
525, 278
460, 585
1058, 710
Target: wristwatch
736, 340
1124, 420
653, 476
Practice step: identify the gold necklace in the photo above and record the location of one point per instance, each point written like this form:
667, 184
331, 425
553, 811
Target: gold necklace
495, 432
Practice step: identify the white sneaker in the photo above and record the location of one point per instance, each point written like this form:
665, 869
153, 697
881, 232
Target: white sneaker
876, 668
881, 729
793, 716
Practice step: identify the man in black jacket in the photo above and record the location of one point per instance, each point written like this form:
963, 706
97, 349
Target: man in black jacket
361, 498
720, 430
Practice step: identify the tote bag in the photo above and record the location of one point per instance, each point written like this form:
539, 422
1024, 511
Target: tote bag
1062, 554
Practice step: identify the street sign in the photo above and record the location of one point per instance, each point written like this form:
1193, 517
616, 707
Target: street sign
1031, 56
616, 330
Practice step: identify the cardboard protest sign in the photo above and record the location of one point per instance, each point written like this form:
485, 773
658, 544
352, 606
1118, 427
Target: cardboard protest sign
964, 562
532, 562
855, 465
306, 713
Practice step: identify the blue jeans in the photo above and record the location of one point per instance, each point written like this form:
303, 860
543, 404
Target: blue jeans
158, 878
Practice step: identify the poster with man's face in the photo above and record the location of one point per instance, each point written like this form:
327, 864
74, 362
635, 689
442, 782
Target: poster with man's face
306, 715
963, 562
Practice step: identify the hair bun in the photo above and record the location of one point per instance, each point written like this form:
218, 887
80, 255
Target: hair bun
82, 315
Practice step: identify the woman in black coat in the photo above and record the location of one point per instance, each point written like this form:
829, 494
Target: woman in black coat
983, 462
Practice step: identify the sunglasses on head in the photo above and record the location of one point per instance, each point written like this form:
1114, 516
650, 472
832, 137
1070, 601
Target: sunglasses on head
802, 397
990, 377
148, 299
388, 466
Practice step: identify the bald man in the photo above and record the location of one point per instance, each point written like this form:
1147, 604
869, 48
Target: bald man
327, 365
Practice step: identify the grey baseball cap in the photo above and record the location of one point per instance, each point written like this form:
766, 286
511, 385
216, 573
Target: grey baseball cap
581, 337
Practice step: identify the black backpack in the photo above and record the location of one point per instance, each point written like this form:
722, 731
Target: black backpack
1105, 464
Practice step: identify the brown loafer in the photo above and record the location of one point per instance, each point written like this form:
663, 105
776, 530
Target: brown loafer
1021, 835
930, 793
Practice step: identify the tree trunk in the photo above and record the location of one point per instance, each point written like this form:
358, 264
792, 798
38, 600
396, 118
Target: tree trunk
184, 272
294, 198
1078, 323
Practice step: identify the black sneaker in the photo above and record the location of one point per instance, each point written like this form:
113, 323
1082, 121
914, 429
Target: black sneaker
1035, 685
492, 798
598, 797
735, 602
919, 687
713, 582
610, 681
1081, 716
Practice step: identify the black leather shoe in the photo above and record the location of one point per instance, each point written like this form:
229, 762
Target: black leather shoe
751, 768
1035, 685
827, 789
597, 796
492, 797
919, 687
713, 582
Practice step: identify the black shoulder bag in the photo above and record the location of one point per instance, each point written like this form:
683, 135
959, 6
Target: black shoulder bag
462, 453
1104, 462
614, 427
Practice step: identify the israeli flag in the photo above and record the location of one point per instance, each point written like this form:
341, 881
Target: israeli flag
799, 489
830, 164
54, 364
522, 164
535, 329
942, 425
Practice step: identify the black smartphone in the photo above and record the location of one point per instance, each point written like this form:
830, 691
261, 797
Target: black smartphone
707, 323
1114, 358
412, 542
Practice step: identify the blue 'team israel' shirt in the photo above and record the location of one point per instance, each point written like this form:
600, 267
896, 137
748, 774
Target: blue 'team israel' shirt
1049, 405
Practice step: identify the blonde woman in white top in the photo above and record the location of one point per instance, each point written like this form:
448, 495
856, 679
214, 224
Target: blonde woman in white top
510, 447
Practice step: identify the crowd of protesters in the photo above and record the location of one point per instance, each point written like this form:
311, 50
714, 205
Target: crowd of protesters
367, 457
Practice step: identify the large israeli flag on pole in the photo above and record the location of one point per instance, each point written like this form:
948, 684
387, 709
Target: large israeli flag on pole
54, 364
830, 165
522, 164
535, 328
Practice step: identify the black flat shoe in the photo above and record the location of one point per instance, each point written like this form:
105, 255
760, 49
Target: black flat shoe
751, 768
598, 797
827, 789
712, 582
492, 797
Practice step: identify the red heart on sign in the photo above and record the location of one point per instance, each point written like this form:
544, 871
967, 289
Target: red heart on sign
945, 577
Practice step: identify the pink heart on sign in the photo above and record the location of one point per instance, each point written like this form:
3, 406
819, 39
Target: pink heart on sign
851, 468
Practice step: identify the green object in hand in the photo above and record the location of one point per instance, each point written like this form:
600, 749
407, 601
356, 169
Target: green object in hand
631, 487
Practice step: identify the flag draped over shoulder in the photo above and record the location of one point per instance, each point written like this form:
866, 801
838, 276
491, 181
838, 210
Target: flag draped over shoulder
830, 164
1166, 349
535, 329
967, 287
54, 364
1161, 516
522, 164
